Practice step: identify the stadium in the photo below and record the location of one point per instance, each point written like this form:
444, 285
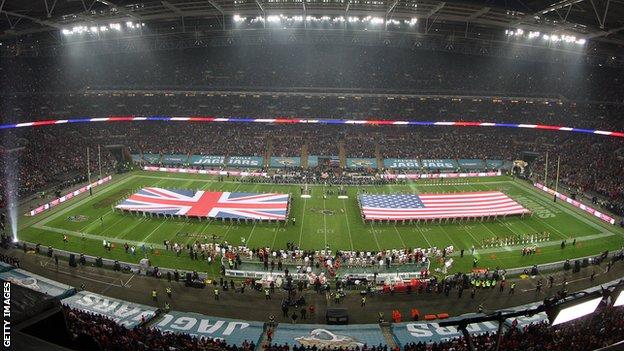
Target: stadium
273, 175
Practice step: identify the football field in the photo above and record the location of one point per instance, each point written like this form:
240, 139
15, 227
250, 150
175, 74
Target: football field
331, 222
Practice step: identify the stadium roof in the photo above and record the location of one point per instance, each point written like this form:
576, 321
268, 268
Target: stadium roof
596, 20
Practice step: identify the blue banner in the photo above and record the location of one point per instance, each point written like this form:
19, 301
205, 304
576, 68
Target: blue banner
245, 161
361, 163
151, 158
37, 283
174, 159
206, 160
312, 161
234, 332
401, 163
329, 336
122, 312
406, 333
5, 267
523, 321
285, 162
494, 164
471, 164
136, 158
439, 164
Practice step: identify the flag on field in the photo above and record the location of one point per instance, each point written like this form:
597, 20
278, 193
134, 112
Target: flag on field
434, 206
208, 204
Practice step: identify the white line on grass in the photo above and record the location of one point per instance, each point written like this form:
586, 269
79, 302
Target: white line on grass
82, 201
344, 206
324, 221
305, 201
423, 235
375, 236
400, 238
153, 231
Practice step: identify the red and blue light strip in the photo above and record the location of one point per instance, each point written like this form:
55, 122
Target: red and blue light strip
281, 120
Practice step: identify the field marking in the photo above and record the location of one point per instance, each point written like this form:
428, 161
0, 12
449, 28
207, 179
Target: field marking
305, 201
153, 231
400, 238
375, 236
541, 197
250, 233
344, 206
423, 235
325, 221
104, 215
130, 228
94, 236
81, 202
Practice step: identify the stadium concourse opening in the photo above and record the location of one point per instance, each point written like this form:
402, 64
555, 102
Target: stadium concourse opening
272, 175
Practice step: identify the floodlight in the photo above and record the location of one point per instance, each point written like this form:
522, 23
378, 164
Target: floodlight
581, 41
103, 28
129, 24
376, 20
574, 308
546, 37
616, 292
93, 29
66, 31
273, 19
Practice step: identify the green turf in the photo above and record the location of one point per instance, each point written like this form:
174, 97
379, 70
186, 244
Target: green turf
332, 222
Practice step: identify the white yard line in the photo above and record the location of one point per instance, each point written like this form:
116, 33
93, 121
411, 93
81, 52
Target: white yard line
324, 221
153, 231
305, 201
423, 235
400, 238
344, 206
375, 236
82, 201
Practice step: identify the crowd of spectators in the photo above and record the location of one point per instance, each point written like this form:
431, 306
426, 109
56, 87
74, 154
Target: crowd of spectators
324, 67
56, 156
95, 332
588, 333
592, 332
44, 160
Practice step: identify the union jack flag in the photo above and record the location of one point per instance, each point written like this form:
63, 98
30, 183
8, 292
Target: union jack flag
208, 204
435, 206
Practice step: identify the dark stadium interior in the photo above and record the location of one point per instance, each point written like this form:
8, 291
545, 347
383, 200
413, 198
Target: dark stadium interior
532, 91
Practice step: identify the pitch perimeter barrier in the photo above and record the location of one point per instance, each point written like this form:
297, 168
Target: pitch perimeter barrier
440, 175
121, 312
205, 171
234, 332
329, 336
575, 203
62, 199
37, 283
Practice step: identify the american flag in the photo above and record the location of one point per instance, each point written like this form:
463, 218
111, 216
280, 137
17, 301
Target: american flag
434, 206
208, 204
